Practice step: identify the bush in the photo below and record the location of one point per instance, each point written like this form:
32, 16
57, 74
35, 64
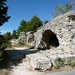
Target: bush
9, 44
3, 54
4, 58
58, 63
21, 44
72, 64
31, 47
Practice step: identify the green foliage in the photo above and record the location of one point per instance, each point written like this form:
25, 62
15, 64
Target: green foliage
2, 43
58, 63
31, 25
31, 47
3, 54
3, 12
57, 66
8, 43
3, 18
70, 63
62, 9
4, 58
35, 23
7, 36
14, 34
22, 27
21, 44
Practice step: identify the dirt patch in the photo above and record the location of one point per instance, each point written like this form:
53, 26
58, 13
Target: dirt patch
65, 68
25, 68
4, 72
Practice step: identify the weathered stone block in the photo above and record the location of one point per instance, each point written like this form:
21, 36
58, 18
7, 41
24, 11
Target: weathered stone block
39, 61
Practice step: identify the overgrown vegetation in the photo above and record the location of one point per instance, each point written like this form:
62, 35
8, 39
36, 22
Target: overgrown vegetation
3, 18
70, 63
20, 44
59, 63
31, 47
3, 55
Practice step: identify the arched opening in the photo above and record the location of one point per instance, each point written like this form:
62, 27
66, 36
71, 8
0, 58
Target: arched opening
50, 39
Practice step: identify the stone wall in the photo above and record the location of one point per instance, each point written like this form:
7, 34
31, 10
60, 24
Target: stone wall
26, 38
22, 38
58, 32
61, 27
30, 38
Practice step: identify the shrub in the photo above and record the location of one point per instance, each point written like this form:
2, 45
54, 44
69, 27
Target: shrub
9, 44
72, 64
21, 44
3, 54
31, 47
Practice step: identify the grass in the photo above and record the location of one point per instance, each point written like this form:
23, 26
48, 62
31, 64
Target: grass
23, 45
72, 64
31, 47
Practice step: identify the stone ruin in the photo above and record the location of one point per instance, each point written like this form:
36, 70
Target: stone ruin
26, 38
22, 38
63, 27
47, 40
59, 33
30, 38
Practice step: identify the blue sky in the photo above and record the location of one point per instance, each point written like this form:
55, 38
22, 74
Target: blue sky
26, 9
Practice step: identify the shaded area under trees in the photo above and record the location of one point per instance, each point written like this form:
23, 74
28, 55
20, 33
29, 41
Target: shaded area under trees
3, 18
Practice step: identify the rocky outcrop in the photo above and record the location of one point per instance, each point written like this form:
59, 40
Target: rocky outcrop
30, 38
63, 27
59, 33
26, 38
22, 38
48, 59
38, 63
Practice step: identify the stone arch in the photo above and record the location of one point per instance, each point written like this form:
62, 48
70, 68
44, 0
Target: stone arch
50, 39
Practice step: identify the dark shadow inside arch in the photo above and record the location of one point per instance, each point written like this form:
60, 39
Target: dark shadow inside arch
50, 39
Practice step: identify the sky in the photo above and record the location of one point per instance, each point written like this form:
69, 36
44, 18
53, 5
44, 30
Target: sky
25, 9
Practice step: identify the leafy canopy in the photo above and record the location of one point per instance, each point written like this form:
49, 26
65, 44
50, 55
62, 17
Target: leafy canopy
7, 36
3, 18
31, 25
14, 34
3, 12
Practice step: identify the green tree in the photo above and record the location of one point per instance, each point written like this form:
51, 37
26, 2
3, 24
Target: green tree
62, 9
3, 12
31, 25
22, 26
3, 18
14, 34
7, 36
35, 23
